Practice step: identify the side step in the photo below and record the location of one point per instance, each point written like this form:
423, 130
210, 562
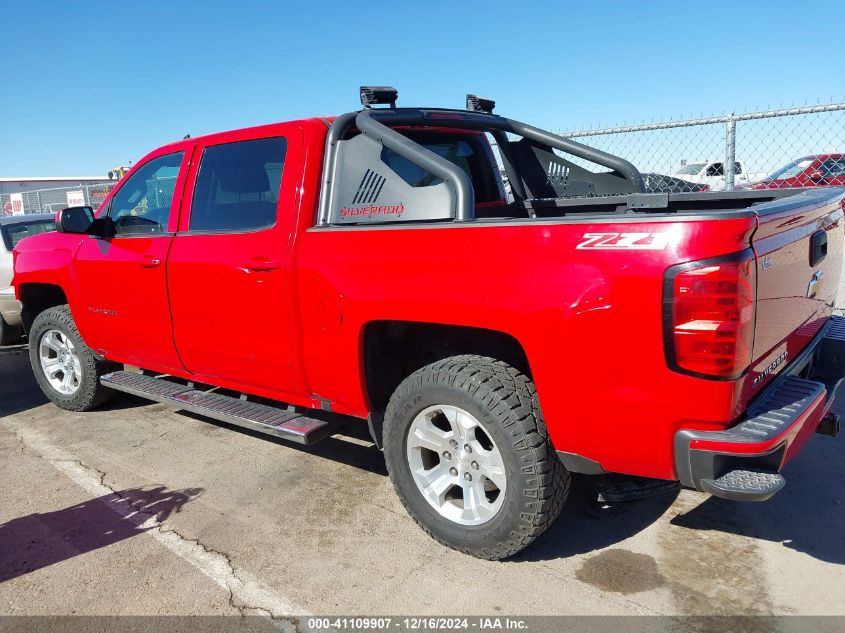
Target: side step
287, 425
744, 485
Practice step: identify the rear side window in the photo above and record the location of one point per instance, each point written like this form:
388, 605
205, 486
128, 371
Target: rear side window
14, 233
833, 167
464, 150
237, 187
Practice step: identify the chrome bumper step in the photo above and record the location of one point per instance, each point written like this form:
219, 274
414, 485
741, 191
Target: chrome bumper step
281, 423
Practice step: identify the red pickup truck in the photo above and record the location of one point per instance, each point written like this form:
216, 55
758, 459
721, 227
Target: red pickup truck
370, 266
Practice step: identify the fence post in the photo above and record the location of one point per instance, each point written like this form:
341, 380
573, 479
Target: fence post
730, 153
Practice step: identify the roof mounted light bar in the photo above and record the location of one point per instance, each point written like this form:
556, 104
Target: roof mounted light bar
480, 104
378, 95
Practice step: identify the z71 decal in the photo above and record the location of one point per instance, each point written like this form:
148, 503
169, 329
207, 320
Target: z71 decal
625, 241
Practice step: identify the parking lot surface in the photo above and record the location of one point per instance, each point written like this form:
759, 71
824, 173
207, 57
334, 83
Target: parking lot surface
140, 509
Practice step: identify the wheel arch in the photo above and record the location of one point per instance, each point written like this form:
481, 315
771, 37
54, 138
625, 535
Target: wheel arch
37, 297
391, 350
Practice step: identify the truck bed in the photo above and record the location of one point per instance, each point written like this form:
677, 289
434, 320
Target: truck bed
639, 204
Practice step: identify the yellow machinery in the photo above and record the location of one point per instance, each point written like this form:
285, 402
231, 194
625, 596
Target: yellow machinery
118, 172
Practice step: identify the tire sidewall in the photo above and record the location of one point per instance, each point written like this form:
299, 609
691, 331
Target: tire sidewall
515, 505
44, 322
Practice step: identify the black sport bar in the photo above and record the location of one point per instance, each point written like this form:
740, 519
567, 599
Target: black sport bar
375, 124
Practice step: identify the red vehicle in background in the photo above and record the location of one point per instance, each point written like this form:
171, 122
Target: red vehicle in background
821, 170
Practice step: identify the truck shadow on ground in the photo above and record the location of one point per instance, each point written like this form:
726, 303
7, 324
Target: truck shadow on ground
359, 453
807, 515
18, 389
42, 539
586, 525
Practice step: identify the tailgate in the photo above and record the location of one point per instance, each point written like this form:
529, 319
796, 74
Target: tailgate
799, 247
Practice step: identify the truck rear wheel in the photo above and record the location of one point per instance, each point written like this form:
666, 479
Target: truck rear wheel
65, 367
469, 456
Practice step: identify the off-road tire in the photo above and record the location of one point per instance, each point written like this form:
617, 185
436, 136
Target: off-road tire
9, 333
505, 402
91, 393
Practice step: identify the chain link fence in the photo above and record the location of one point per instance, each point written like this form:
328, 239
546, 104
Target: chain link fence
54, 199
786, 147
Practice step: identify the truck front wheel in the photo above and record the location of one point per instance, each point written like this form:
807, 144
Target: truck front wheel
66, 369
469, 456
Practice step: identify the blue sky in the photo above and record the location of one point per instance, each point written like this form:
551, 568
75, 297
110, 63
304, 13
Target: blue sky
89, 85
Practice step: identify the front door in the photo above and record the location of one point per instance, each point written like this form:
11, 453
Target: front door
123, 308
227, 269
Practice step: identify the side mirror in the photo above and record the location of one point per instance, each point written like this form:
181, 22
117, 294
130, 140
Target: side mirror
74, 220
815, 175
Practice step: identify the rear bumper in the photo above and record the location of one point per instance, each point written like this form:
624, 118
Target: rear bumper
777, 425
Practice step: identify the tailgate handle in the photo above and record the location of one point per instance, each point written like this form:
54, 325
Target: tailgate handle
818, 247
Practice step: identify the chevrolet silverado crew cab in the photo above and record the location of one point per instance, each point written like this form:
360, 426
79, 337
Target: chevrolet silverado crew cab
374, 269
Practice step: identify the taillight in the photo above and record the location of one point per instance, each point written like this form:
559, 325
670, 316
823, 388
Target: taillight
709, 316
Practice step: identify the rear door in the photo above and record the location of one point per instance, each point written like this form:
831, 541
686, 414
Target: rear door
123, 306
227, 270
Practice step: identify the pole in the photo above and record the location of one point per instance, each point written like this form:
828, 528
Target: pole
730, 153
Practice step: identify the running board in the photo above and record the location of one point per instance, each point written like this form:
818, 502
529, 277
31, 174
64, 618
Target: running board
281, 423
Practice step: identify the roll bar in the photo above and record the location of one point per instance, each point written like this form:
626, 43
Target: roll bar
425, 158
375, 123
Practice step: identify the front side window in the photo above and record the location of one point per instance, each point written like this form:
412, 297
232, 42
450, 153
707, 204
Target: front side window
237, 187
142, 204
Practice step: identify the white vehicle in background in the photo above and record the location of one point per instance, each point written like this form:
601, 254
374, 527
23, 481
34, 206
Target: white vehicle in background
712, 174
12, 230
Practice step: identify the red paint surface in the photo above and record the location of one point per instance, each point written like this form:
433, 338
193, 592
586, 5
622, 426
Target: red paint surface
590, 321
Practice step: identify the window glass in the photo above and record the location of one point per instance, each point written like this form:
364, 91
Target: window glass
737, 168
14, 233
833, 167
691, 169
791, 170
142, 204
464, 150
715, 170
237, 187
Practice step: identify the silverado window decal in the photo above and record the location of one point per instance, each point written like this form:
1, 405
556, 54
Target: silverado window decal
370, 188
625, 241
365, 189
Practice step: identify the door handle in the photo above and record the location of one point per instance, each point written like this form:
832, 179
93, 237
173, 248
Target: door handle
818, 247
150, 262
260, 264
